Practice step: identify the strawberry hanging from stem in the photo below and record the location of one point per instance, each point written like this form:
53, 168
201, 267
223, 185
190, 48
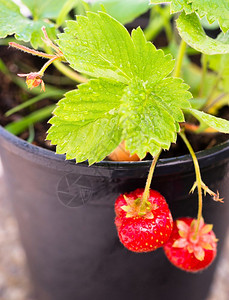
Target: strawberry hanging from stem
190, 251
143, 219
192, 245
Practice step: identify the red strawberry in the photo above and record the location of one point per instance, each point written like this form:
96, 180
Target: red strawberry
121, 201
143, 229
188, 250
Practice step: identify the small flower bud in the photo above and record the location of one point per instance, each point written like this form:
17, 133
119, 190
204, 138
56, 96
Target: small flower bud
33, 80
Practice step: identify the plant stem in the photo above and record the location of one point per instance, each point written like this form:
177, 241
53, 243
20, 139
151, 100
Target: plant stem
81, 8
62, 68
211, 93
179, 60
204, 73
157, 22
67, 7
31, 51
69, 72
21, 83
214, 102
198, 179
50, 43
168, 31
166, 19
149, 179
48, 63
66, 70
31, 134
153, 29
19, 126
51, 94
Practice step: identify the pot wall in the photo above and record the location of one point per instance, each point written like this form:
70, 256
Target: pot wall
65, 214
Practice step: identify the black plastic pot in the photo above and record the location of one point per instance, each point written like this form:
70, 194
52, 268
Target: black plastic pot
65, 214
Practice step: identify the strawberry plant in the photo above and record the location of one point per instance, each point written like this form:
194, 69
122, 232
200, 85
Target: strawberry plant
132, 93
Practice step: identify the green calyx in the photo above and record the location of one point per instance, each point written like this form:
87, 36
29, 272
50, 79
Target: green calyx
138, 208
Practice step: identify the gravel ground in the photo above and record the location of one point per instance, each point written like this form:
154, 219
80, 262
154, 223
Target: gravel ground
14, 279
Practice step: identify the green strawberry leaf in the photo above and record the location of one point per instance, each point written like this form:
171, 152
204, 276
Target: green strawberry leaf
223, 38
123, 11
90, 46
132, 98
176, 5
207, 25
197, 103
104, 48
219, 124
86, 121
220, 64
45, 9
215, 10
13, 22
152, 108
192, 33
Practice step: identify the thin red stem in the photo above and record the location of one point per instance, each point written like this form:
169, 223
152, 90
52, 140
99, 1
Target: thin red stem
31, 51
48, 63
49, 42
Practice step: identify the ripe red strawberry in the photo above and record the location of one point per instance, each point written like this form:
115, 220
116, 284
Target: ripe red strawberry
121, 201
190, 251
143, 229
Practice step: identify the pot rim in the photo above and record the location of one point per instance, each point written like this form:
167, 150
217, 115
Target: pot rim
218, 153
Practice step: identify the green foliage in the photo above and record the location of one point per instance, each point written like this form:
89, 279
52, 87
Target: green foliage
211, 121
210, 26
66, 8
176, 5
190, 27
192, 33
49, 9
124, 11
214, 10
13, 22
50, 94
132, 99
220, 64
197, 103
86, 121
21, 125
130, 96
160, 19
150, 114
104, 48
